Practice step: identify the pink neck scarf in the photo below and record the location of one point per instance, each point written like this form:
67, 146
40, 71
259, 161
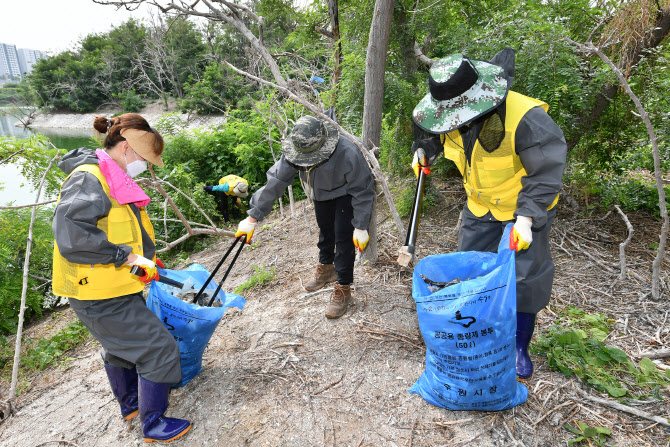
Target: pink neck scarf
121, 186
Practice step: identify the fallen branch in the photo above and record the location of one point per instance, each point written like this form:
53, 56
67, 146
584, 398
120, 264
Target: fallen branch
327, 387
617, 406
387, 334
660, 354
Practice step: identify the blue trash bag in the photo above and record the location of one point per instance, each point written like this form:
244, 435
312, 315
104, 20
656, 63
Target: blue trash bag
469, 329
191, 325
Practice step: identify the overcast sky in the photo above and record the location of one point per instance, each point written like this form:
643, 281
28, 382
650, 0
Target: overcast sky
57, 25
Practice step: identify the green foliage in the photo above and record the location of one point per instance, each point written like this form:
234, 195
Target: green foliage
181, 177
50, 351
240, 147
405, 199
574, 345
626, 183
262, 276
9, 94
216, 90
129, 101
14, 226
33, 157
587, 435
41, 354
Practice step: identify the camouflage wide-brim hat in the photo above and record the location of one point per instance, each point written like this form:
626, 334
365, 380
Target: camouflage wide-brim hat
311, 141
461, 90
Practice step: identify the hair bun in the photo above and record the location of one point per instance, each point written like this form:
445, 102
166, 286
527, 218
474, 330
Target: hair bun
101, 124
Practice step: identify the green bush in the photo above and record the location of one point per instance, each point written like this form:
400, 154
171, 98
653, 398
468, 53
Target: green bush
130, 101
14, 226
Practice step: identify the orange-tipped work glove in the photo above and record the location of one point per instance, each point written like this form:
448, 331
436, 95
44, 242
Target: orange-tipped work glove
246, 227
361, 238
149, 268
426, 152
521, 235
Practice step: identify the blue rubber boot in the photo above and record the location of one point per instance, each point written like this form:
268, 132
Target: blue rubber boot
124, 387
153, 403
525, 325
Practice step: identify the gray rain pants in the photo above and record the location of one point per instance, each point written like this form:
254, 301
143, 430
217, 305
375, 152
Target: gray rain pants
131, 336
534, 266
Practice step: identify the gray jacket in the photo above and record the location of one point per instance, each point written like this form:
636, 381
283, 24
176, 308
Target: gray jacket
345, 172
543, 151
82, 202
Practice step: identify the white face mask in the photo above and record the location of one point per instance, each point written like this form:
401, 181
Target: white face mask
136, 167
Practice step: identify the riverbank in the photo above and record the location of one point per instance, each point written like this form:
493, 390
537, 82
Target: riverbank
152, 113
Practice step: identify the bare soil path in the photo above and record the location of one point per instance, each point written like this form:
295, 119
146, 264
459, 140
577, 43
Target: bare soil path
278, 373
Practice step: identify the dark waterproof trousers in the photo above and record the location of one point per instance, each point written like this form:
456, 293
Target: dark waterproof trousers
131, 336
534, 266
336, 234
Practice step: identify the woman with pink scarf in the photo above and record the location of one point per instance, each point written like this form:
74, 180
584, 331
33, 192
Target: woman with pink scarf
101, 230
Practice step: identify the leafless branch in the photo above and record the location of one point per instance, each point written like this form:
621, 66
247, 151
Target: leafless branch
623, 245
25, 206
24, 289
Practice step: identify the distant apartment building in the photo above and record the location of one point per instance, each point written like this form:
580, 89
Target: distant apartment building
16, 63
28, 58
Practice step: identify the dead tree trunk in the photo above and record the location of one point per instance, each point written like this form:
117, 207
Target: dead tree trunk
375, 69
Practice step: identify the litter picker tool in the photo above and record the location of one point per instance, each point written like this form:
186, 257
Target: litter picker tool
407, 250
225, 256
139, 271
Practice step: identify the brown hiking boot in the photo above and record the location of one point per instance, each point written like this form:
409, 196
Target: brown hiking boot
325, 273
339, 301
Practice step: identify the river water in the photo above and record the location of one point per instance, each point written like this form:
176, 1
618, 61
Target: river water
13, 187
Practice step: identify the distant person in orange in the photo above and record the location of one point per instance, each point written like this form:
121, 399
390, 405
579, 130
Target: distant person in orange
101, 230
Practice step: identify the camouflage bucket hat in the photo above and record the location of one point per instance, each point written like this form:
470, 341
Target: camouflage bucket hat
311, 142
461, 90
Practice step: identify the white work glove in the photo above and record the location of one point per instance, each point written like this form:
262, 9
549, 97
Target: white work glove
361, 238
246, 228
521, 235
149, 267
143, 262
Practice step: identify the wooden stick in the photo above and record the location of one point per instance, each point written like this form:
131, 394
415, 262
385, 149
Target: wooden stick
617, 406
624, 244
660, 354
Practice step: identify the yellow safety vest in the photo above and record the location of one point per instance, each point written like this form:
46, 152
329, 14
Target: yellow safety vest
493, 180
102, 281
232, 181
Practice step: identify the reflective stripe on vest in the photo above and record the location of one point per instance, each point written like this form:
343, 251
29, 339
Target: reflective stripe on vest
492, 180
102, 281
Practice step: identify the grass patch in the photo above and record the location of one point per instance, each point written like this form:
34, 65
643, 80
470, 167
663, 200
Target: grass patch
41, 354
574, 345
262, 276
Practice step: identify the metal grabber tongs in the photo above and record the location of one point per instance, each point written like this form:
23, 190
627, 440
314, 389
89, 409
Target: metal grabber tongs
239, 250
406, 255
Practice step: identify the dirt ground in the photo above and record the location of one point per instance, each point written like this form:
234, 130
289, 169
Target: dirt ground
278, 373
